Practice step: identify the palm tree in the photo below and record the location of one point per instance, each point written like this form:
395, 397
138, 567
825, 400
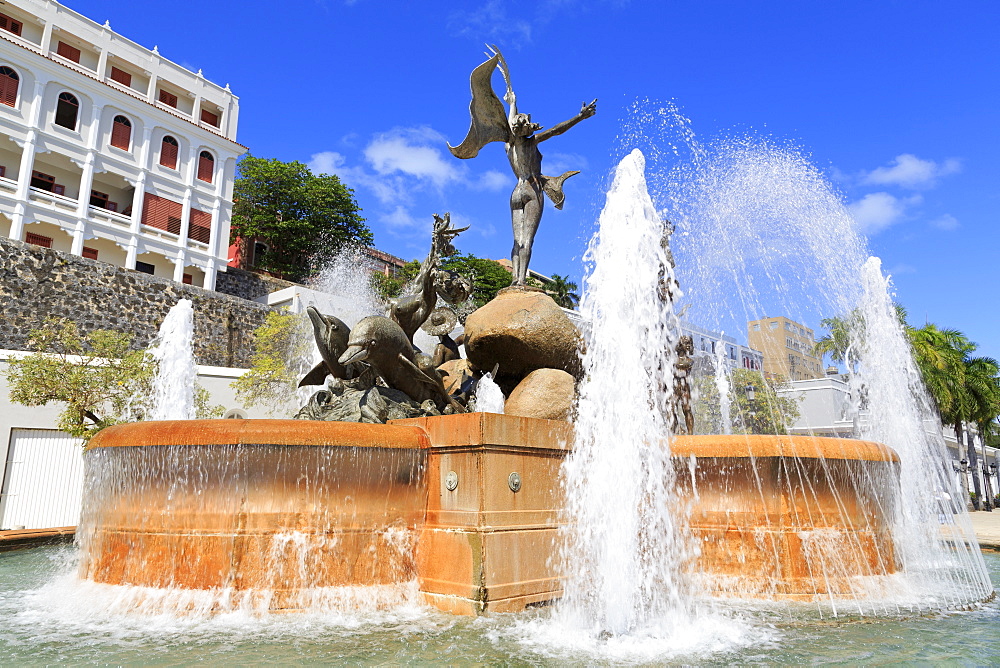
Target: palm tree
562, 291
841, 344
982, 384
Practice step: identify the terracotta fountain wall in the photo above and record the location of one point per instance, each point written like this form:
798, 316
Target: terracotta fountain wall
469, 505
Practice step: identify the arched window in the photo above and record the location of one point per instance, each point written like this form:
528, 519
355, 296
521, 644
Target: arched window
168, 152
121, 132
206, 166
67, 109
8, 86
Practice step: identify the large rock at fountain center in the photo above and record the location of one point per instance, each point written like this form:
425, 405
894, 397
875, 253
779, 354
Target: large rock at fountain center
521, 330
544, 393
456, 373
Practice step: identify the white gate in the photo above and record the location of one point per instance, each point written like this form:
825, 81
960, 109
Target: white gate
43, 481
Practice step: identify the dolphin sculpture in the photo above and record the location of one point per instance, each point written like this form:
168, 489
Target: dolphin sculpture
383, 344
331, 336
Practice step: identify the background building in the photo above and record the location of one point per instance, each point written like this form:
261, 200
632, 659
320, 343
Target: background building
735, 354
109, 151
787, 347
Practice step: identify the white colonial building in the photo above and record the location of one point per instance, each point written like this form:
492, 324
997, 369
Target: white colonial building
108, 150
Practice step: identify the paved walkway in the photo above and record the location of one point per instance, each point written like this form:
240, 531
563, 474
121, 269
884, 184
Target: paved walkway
987, 527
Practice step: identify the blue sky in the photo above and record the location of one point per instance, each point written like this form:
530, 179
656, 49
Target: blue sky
896, 101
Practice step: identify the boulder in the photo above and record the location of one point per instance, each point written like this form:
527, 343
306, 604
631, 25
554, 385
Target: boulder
455, 373
521, 330
544, 393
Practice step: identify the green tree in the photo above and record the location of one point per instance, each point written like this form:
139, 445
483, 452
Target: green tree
99, 376
299, 216
563, 291
282, 350
488, 276
392, 286
770, 411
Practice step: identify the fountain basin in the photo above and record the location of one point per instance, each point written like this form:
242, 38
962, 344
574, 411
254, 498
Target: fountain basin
272, 508
468, 505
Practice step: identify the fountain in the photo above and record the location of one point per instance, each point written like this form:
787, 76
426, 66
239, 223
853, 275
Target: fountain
625, 522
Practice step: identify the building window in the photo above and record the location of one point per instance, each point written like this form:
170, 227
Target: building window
788, 342
90, 253
68, 52
43, 181
168, 152
774, 325
200, 225
210, 118
162, 213
259, 251
121, 76
8, 86
121, 132
206, 166
144, 267
168, 99
101, 200
756, 327
187, 279
9, 24
38, 240
67, 109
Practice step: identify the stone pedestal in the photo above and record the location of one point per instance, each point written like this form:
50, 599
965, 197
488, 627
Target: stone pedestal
485, 547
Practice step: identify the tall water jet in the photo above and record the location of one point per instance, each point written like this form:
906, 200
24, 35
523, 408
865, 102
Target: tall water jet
761, 231
624, 547
173, 385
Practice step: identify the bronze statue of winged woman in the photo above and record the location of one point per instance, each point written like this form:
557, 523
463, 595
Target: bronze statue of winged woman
490, 123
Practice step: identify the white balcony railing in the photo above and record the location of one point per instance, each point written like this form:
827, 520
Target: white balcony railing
108, 216
57, 201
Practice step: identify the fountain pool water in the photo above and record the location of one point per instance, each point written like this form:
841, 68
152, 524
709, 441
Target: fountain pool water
51, 617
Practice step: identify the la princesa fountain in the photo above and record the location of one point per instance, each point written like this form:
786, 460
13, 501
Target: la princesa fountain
402, 488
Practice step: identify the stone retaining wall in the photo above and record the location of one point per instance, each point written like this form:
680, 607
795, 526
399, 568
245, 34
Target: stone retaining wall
36, 283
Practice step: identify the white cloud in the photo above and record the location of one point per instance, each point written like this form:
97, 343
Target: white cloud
409, 151
909, 171
326, 162
876, 211
947, 222
400, 219
557, 163
493, 180
490, 20
901, 268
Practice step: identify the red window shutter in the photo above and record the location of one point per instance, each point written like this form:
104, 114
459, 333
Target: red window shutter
206, 166
38, 240
90, 253
121, 134
210, 118
8, 86
188, 279
121, 76
168, 99
9, 24
58, 189
168, 153
162, 213
200, 226
68, 52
